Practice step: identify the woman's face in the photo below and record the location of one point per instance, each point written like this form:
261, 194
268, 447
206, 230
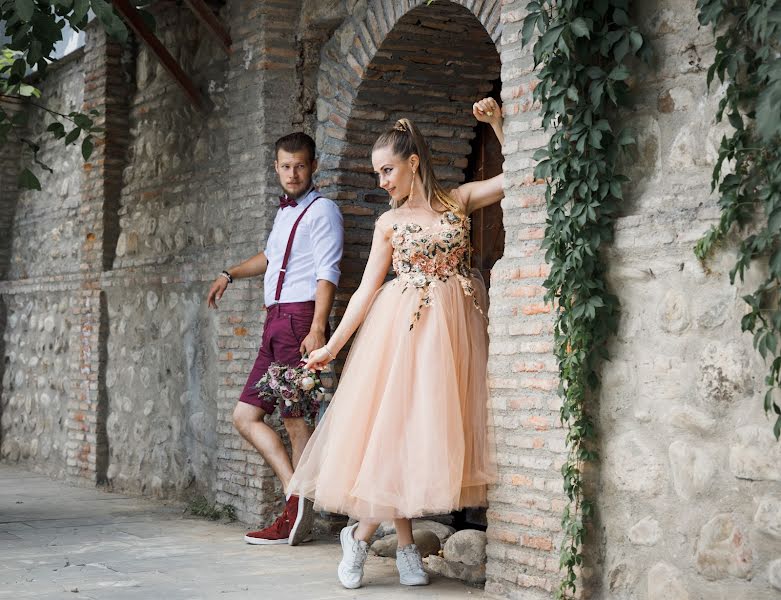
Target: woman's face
394, 173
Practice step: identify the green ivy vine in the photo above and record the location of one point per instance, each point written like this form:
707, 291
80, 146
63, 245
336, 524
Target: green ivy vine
583, 51
748, 60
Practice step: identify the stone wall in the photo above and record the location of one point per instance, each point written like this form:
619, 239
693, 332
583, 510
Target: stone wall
37, 381
114, 370
45, 229
264, 88
690, 488
41, 237
161, 354
527, 500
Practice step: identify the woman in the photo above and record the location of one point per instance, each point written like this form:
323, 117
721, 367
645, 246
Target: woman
407, 433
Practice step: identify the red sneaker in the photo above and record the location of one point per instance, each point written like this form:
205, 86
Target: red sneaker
302, 516
276, 533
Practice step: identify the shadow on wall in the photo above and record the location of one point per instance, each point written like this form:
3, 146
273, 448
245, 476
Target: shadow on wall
161, 380
3, 364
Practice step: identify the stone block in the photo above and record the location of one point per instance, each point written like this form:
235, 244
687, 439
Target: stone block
723, 375
426, 541
466, 546
473, 574
646, 532
632, 465
723, 549
692, 469
755, 454
665, 583
774, 574
768, 516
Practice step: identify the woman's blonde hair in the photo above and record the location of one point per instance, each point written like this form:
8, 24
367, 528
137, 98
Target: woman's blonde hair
404, 139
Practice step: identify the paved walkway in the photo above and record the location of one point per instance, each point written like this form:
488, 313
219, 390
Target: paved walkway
58, 541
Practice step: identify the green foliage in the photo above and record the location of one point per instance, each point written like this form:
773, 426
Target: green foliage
200, 507
584, 51
748, 60
34, 27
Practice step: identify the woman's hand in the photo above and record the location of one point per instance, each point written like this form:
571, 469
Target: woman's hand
318, 359
487, 111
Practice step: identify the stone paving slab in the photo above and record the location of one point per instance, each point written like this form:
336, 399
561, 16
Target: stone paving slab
63, 542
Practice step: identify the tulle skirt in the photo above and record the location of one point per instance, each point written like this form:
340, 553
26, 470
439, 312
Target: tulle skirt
407, 431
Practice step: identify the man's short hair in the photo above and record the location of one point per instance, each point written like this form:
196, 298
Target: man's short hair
295, 142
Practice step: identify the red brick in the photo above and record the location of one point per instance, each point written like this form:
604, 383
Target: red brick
536, 309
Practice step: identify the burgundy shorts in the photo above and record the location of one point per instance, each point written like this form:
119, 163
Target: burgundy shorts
286, 327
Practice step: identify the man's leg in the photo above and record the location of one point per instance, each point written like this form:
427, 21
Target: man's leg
299, 432
249, 422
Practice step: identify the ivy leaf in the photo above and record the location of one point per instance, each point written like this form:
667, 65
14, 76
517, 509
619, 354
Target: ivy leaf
768, 111
86, 147
72, 135
619, 73
580, 28
636, 41
57, 128
80, 10
529, 24
28, 181
775, 263
774, 221
735, 120
621, 49
28, 91
114, 25
25, 9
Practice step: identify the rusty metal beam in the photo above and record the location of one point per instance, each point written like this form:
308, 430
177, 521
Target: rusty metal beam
212, 22
137, 24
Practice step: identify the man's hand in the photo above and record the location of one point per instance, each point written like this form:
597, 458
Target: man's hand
216, 291
313, 340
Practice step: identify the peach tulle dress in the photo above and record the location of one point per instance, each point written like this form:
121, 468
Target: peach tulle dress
407, 433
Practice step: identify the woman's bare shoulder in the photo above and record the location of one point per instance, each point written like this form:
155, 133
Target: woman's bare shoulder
385, 221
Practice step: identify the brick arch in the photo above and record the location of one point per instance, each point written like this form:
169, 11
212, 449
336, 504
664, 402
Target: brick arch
352, 52
426, 62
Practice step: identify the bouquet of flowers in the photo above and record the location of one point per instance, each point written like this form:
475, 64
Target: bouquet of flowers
299, 388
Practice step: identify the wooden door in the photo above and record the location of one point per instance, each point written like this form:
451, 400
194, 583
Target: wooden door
487, 227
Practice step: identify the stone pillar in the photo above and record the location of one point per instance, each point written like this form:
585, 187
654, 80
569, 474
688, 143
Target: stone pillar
526, 502
261, 108
105, 90
9, 172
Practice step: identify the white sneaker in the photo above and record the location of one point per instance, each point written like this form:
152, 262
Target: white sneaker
354, 551
410, 566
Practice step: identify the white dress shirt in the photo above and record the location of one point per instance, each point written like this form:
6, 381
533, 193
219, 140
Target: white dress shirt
316, 251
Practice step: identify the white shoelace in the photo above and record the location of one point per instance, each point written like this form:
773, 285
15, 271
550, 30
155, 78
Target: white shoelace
359, 554
412, 559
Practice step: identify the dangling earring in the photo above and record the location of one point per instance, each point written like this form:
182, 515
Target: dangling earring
412, 186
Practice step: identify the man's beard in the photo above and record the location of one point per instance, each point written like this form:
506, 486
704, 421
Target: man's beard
300, 195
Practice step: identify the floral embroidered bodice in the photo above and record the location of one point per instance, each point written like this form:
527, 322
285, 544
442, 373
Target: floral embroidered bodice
423, 256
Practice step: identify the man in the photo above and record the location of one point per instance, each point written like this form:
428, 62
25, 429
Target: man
301, 266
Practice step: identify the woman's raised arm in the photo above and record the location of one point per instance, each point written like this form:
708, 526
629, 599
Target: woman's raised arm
478, 194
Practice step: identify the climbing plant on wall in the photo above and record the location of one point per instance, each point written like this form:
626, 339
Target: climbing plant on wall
748, 61
32, 29
582, 51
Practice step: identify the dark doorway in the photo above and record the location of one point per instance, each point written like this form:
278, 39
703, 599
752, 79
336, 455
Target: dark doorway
485, 162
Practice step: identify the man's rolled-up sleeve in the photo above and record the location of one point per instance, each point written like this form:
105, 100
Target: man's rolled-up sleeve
327, 237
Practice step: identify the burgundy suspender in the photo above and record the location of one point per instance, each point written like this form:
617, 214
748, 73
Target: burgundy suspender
281, 278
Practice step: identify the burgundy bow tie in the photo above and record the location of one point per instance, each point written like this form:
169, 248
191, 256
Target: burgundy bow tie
286, 201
